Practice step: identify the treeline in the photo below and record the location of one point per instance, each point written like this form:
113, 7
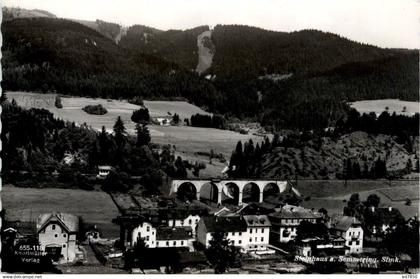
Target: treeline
208, 121
290, 151
36, 145
386, 123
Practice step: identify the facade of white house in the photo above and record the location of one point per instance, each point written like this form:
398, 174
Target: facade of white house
258, 232
285, 222
249, 233
162, 237
190, 221
103, 171
57, 235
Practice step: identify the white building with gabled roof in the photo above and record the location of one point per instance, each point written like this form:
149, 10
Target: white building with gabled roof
57, 234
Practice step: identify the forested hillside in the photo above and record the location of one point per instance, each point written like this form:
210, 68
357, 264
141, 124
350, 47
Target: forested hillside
300, 80
173, 45
43, 54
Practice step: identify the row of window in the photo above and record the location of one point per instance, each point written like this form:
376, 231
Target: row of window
354, 234
168, 243
64, 235
250, 231
291, 221
239, 242
351, 243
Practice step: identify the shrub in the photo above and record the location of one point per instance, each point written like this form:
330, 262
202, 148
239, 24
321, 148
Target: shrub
58, 103
140, 116
95, 109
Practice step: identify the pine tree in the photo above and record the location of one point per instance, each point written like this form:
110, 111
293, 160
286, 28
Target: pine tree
143, 135
119, 133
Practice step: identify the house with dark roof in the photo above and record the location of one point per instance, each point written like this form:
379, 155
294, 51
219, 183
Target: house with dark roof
248, 232
285, 222
349, 228
232, 226
57, 234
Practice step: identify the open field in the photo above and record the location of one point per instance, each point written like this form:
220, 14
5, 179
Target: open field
25, 204
378, 106
187, 140
334, 201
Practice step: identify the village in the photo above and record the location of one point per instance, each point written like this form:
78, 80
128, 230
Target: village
265, 232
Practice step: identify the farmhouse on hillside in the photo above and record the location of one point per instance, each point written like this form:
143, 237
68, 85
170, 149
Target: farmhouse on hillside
57, 233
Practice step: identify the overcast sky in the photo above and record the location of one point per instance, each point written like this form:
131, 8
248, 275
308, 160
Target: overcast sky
386, 23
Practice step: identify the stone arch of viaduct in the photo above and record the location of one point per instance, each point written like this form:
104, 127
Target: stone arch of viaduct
221, 184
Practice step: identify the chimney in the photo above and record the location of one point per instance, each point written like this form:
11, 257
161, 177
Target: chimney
389, 208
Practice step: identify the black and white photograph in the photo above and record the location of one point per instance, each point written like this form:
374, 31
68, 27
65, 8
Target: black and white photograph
236, 137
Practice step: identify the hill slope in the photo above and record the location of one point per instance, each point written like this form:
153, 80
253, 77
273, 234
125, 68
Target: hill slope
298, 80
45, 54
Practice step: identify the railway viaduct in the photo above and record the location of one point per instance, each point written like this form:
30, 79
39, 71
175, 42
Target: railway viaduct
224, 185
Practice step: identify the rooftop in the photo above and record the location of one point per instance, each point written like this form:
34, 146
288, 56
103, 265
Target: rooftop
173, 233
68, 221
343, 223
257, 221
225, 224
295, 212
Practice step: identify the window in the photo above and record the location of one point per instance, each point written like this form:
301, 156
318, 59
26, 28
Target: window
64, 245
357, 242
157, 244
53, 227
182, 242
250, 230
233, 234
262, 230
174, 243
256, 230
190, 221
64, 235
240, 233
147, 238
262, 238
56, 235
250, 239
240, 241
255, 239
167, 243
153, 233
148, 229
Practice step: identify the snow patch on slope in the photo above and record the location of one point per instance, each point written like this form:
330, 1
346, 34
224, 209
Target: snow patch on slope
206, 51
123, 32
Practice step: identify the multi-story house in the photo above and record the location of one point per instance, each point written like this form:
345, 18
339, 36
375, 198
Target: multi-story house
351, 230
258, 232
285, 222
57, 234
162, 236
250, 232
